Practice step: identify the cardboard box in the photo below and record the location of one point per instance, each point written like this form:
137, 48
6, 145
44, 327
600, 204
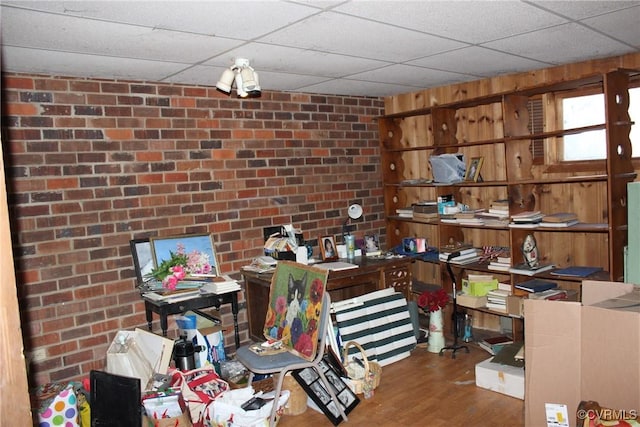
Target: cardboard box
515, 305
471, 301
478, 289
503, 379
587, 351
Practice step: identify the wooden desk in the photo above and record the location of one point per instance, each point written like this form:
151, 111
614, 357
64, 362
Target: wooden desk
164, 309
371, 275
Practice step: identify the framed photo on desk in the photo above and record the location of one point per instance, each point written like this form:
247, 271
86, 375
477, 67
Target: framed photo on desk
328, 248
198, 249
142, 259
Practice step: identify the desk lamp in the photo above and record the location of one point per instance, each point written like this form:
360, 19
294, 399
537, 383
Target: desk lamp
354, 212
454, 316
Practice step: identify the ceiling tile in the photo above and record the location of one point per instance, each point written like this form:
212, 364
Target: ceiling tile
623, 25
479, 62
562, 44
25, 29
336, 33
452, 19
73, 64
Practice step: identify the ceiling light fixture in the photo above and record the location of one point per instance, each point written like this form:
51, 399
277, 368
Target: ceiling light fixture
245, 78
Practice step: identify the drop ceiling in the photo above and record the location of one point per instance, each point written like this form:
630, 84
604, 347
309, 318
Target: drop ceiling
368, 48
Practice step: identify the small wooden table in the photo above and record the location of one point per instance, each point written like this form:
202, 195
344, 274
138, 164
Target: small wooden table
371, 275
164, 309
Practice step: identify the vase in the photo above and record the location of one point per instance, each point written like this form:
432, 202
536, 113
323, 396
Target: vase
436, 335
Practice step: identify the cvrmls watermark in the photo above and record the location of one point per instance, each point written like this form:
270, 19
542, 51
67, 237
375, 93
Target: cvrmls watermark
607, 414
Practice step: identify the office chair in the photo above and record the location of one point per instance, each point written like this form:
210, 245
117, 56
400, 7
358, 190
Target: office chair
280, 363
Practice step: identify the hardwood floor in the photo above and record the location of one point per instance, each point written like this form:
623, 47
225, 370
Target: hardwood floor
427, 389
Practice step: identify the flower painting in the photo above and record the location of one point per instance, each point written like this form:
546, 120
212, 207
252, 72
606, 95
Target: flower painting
178, 257
295, 305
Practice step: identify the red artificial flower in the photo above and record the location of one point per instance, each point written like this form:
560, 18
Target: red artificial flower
433, 300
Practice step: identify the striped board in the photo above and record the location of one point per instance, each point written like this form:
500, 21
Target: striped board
380, 322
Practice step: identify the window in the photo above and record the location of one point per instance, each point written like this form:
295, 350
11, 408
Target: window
589, 110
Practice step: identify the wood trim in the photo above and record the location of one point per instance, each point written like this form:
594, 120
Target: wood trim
15, 408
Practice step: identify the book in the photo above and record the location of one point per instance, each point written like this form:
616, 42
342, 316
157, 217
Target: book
558, 224
524, 224
560, 217
405, 212
172, 296
500, 203
525, 270
221, 285
336, 265
463, 251
464, 255
536, 285
480, 277
497, 266
576, 271
497, 307
549, 294
504, 259
494, 344
527, 216
465, 261
425, 209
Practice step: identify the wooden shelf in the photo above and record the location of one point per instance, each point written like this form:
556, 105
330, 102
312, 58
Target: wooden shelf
496, 127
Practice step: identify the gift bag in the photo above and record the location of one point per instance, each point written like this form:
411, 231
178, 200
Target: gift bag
199, 388
59, 406
225, 411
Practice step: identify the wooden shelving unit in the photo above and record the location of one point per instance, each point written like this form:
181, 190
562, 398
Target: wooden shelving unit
497, 128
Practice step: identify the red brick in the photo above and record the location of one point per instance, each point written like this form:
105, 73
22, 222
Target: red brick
164, 160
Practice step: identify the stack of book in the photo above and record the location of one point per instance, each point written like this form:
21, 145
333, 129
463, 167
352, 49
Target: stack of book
536, 285
559, 219
494, 344
425, 210
528, 219
405, 212
220, 285
466, 256
497, 300
469, 217
497, 215
526, 270
499, 208
172, 296
500, 263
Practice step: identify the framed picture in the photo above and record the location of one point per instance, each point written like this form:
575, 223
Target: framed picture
311, 382
328, 248
198, 248
409, 245
142, 259
296, 299
473, 171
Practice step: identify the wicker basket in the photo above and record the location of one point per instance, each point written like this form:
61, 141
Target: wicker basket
358, 374
297, 403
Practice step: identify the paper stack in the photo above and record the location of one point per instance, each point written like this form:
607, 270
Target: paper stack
220, 285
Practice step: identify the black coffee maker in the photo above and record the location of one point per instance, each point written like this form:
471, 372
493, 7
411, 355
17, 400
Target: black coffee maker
184, 353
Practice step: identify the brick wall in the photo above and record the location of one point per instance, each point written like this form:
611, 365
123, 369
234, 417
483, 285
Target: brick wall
92, 164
